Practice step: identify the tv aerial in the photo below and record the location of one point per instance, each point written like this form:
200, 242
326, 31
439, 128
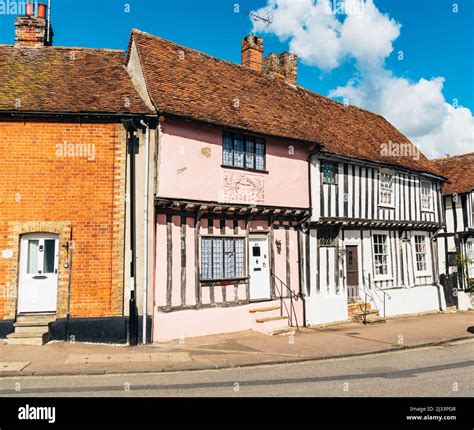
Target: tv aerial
267, 20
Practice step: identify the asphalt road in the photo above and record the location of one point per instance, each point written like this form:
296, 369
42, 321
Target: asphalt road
437, 371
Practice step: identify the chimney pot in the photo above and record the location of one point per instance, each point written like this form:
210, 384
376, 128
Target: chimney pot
252, 53
30, 9
42, 8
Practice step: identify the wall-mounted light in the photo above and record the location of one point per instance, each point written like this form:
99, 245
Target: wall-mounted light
278, 245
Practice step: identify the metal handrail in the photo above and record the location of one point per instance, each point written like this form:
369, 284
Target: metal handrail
293, 295
375, 289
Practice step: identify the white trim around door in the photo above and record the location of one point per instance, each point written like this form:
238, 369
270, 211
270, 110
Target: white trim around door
38, 280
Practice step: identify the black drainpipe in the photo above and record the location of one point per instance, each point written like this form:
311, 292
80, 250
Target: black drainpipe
132, 149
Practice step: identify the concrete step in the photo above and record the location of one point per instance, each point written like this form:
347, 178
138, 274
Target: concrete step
363, 312
30, 338
358, 316
270, 324
354, 307
375, 320
31, 329
264, 312
288, 331
267, 309
40, 319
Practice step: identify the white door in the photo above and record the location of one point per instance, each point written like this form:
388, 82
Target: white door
259, 269
38, 282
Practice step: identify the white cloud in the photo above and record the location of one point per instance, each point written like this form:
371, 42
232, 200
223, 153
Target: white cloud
326, 40
455, 135
319, 38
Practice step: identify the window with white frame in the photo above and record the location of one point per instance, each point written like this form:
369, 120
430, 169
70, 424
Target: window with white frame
380, 254
245, 152
222, 258
470, 256
426, 196
420, 253
386, 189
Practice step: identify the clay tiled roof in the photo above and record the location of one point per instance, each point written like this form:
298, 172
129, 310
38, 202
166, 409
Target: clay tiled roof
188, 83
459, 170
62, 80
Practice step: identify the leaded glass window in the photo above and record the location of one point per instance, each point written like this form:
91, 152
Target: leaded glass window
243, 151
329, 171
222, 258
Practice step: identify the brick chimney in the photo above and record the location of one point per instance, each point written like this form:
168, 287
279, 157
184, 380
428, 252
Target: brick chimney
30, 30
283, 66
252, 53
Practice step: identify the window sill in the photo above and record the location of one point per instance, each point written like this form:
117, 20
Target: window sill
228, 281
428, 211
386, 206
382, 278
265, 172
421, 274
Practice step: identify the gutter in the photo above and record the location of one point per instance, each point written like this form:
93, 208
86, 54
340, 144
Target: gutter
78, 115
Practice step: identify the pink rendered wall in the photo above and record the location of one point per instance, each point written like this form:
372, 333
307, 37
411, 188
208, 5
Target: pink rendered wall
160, 272
190, 158
190, 323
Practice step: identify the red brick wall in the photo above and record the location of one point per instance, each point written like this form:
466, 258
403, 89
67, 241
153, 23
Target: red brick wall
43, 188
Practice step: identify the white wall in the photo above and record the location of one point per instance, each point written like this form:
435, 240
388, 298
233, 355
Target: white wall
326, 309
410, 300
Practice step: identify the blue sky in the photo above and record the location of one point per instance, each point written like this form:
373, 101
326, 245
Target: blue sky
435, 41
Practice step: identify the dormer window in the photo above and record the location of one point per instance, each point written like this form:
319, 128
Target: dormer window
244, 152
329, 171
386, 189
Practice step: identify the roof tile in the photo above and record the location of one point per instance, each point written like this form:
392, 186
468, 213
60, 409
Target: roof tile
66, 80
188, 83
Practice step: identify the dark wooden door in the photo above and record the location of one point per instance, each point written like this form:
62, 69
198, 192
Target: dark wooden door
352, 272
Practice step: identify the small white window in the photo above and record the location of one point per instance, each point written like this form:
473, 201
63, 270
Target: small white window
381, 254
470, 256
386, 186
420, 253
426, 196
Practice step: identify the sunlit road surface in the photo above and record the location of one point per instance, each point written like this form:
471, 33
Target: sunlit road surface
446, 371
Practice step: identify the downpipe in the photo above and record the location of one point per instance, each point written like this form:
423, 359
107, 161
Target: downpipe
145, 230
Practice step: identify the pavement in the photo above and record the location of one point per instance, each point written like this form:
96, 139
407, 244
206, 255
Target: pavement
234, 350
446, 370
